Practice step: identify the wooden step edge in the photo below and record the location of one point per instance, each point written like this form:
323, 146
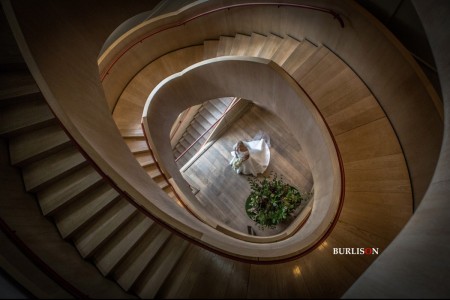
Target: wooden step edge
87, 246
153, 278
131, 133
22, 161
49, 210
68, 232
130, 271
33, 186
108, 261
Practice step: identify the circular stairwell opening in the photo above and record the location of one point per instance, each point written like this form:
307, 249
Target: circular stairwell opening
205, 164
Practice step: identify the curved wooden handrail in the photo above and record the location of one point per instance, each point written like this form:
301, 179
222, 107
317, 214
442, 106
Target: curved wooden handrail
226, 7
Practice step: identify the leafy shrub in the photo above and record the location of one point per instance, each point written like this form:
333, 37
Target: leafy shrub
271, 201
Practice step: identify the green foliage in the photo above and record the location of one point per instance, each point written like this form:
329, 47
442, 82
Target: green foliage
271, 201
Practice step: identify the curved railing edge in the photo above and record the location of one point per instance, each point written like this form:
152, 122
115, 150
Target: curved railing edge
107, 69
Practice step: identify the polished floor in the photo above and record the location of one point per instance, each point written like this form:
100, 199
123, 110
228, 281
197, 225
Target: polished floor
223, 193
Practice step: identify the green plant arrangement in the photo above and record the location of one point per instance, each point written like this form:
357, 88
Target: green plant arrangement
271, 201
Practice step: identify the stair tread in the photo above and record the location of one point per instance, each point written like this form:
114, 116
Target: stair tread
161, 181
193, 132
257, 42
226, 100
270, 46
49, 169
137, 145
285, 49
121, 243
15, 119
219, 105
240, 44
298, 56
198, 129
310, 63
34, 145
103, 227
130, 269
207, 116
77, 214
152, 170
144, 158
17, 83
203, 121
155, 275
210, 48
130, 133
212, 109
188, 137
225, 44
68, 188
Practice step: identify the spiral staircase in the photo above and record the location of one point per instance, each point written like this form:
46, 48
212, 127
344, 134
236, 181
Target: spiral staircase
125, 251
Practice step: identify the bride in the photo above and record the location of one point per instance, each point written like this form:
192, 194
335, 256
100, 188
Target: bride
251, 157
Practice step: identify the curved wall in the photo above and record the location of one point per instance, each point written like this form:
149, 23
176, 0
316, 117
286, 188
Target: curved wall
417, 260
269, 86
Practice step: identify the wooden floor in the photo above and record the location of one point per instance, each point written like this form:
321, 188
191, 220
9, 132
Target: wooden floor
223, 192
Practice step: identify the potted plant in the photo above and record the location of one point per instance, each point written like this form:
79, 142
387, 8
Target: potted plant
271, 201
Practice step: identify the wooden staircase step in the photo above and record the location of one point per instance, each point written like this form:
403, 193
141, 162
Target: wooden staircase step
161, 181
176, 153
270, 47
188, 137
144, 158
286, 48
240, 44
41, 173
68, 188
137, 145
225, 44
35, 145
185, 143
210, 48
158, 271
17, 86
310, 63
226, 100
111, 254
140, 257
206, 114
131, 133
78, 213
203, 121
331, 72
257, 42
299, 56
103, 227
199, 129
193, 132
219, 105
152, 170
17, 119
212, 109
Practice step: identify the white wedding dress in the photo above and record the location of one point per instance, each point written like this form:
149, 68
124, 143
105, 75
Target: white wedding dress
258, 160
